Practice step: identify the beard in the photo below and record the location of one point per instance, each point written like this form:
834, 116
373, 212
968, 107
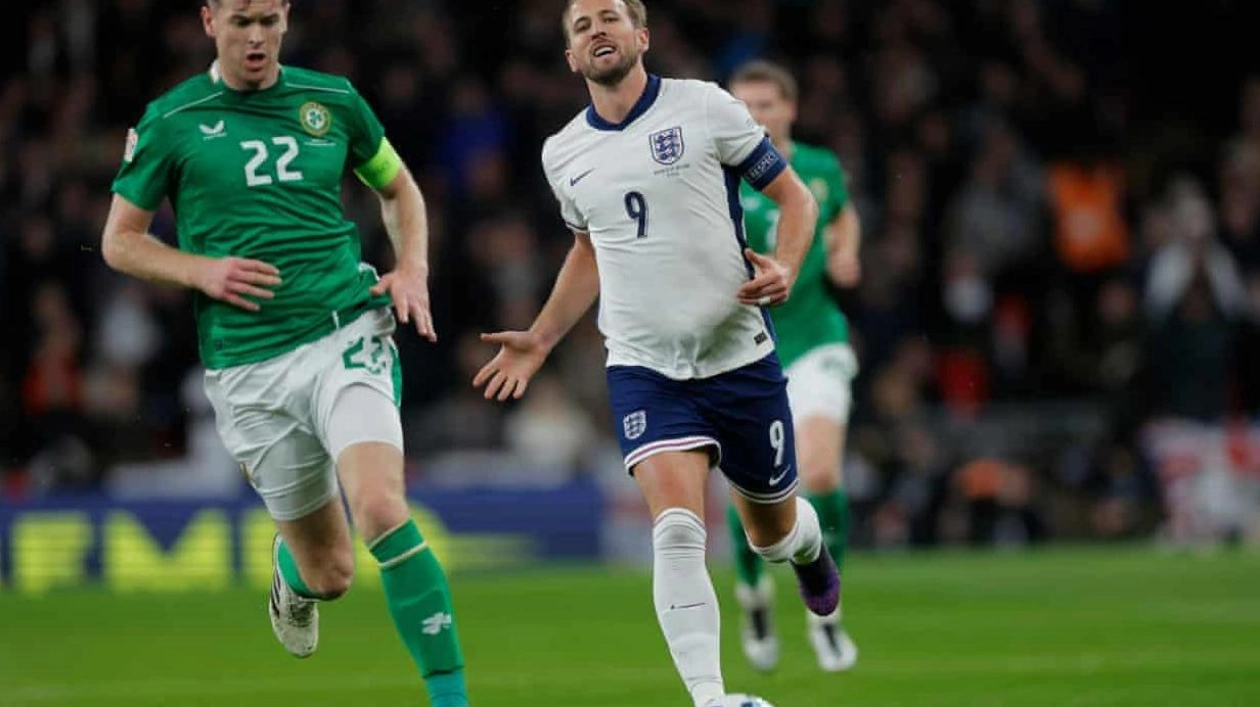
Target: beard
612, 75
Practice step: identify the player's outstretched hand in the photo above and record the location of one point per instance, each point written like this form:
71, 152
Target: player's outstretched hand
771, 283
410, 292
231, 280
507, 375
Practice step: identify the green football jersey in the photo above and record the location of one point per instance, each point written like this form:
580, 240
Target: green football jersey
810, 318
257, 174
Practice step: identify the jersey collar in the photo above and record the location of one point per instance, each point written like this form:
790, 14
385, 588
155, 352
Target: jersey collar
650, 92
216, 78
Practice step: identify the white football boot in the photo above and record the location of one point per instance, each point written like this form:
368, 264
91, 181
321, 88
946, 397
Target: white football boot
836, 652
294, 618
760, 642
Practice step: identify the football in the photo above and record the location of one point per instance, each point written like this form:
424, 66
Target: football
739, 701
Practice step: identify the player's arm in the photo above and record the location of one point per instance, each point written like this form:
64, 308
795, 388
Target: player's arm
844, 241
744, 145
128, 247
798, 216
406, 221
522, 353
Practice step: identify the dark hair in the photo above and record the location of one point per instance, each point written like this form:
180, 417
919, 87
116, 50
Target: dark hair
636, 9
762, 71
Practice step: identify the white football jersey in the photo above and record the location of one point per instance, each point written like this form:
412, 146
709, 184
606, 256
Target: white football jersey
659, 195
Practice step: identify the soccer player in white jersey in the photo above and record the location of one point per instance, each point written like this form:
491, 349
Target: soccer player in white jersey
647, 179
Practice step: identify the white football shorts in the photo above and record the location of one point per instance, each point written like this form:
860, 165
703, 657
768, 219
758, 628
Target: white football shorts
286, 420
820, 383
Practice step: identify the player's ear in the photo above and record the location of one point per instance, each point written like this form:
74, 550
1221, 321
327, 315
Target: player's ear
207, 20
568, 56
644, 38
284, 16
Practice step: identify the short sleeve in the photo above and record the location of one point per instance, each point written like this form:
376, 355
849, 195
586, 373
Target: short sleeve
366, 134
740, 142
573, 218
148, 164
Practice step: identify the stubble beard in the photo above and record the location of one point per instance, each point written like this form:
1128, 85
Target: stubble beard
614, 74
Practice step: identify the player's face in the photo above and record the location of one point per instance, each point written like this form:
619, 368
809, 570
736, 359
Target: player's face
247, 35
768, 106
604, 44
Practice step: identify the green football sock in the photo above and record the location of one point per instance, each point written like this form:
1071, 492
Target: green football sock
833, 516
290, 573
748, 564
420, 603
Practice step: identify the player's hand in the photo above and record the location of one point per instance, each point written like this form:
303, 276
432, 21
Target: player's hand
507, 375
845, 269
771, 283
231, 280
409, 289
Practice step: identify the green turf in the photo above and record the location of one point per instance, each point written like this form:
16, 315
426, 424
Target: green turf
1078, 627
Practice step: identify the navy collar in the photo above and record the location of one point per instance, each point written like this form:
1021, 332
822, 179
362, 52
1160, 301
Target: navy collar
645, 101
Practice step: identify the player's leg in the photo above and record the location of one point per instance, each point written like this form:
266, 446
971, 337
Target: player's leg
416, 588
290, 470
673, 484
668, 447
754, 592
820, 393
820, 441
312, 561
358, 418
787, 531
750, 408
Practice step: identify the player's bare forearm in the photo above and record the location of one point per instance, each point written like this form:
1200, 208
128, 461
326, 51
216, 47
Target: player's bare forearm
844, 233
577, 286
128, 248
798, 217
406, 222
844, 241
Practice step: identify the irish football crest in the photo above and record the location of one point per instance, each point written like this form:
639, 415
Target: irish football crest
667, 145
315, 118
635, 424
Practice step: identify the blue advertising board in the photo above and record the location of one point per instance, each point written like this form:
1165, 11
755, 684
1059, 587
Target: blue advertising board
183, 545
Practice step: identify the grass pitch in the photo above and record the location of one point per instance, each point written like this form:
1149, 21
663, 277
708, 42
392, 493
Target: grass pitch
1054, 628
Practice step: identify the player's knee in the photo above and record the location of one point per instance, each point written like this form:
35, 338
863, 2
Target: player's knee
784, 542
820, 475
332, 576
678, 529
380, 511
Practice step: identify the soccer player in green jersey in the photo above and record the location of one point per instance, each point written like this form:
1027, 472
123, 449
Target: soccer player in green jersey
813, 344
294, 331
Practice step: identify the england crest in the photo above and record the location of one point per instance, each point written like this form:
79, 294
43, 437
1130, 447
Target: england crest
667, 145
634, 424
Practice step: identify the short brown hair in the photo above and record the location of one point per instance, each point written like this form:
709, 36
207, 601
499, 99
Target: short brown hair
762, 71
636, 8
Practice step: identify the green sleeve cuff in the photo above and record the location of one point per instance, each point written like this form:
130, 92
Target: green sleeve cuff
381, 169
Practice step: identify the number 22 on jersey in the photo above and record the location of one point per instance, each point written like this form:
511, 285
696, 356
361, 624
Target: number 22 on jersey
254, 174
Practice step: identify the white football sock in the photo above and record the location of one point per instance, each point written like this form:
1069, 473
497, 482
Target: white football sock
686, 604
802, 544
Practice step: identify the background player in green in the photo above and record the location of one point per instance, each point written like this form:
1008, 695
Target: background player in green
295, 333
812, 338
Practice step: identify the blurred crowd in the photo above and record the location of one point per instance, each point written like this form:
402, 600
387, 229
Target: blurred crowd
1023, 257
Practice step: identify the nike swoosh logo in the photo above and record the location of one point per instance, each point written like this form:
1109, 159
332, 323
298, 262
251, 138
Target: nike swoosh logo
774, 480
574, 180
